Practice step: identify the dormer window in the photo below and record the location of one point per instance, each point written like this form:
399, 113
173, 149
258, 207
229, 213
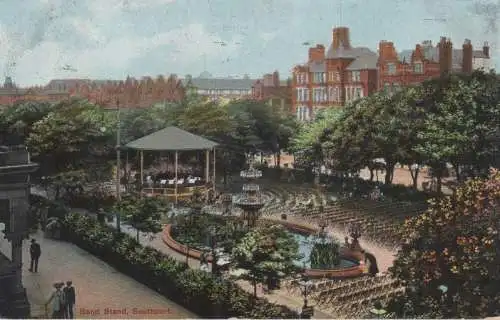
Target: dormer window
418, 67
356, 76
391, 68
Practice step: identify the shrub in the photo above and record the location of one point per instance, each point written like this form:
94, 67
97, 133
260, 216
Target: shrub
196, 290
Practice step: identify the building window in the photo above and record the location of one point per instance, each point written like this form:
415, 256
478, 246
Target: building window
418, 67
356, 76
331, 76
358, 93
391, 68
318, 77
303, 113
303, 78
316, 94
337, 76
387, 87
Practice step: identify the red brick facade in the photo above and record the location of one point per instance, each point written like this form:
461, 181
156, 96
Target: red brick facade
333, 77
271, 89
343, 73
396, 70
131, 93
10, 94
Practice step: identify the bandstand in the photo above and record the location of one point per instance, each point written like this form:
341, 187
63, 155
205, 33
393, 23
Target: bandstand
173, 139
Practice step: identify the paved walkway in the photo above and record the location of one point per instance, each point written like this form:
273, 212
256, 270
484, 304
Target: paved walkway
100, 289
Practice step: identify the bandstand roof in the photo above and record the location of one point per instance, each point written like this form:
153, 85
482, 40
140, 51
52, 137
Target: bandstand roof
171, 139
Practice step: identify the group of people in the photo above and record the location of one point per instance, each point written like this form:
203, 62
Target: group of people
63, 300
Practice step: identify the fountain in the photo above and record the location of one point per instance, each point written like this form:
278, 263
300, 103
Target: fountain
250, 200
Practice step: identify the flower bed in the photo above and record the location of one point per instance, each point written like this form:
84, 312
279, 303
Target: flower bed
198, 291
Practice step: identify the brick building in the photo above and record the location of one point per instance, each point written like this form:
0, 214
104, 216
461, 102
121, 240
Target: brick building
219, 88
331, 78
131, 93
276, 92
11, 93
427, 61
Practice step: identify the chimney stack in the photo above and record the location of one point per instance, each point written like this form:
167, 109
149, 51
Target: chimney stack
467, 56
486, 50
341, 38
386, 51
276, 79
317, 53
445, 55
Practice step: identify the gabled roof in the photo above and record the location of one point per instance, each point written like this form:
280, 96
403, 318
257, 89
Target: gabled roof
365, 62
221, 83
346, 52
317, 66
171, 139
432, 54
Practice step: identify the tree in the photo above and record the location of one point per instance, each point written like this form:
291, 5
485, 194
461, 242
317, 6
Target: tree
138, 123
449, 258
143, 215
266, 253
16, 121
72, 131
462, 117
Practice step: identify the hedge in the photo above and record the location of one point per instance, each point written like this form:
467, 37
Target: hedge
198, 291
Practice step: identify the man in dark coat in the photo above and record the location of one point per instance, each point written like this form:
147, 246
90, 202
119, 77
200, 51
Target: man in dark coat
35, 252
69, 299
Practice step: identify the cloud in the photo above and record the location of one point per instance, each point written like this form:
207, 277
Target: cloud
108, 8
113, 59
268, 36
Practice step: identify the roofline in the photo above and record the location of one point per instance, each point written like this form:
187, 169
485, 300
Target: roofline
149, 149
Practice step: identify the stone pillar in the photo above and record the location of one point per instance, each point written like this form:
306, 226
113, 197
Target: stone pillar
17, 299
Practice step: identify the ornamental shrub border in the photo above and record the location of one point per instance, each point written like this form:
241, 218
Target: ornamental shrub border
198, 291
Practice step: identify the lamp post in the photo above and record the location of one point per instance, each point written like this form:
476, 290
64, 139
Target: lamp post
118, 161
213, 244
305, 285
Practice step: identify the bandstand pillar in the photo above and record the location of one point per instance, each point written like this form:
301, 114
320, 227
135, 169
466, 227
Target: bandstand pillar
176, 164
207, 172
213, 177
141, 156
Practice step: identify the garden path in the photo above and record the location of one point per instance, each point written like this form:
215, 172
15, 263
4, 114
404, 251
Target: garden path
99, 287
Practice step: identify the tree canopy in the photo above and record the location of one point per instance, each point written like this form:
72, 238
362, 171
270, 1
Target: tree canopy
266, 253
449, 258
450, 120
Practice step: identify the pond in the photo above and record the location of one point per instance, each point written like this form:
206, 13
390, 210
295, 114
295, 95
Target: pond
190, 232
306, 243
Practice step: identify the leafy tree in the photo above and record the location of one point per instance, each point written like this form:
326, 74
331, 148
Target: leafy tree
16, 121
65, 184
266, 253
72, 131
144, 214
449, 258
138, 123
349, 146
306, 141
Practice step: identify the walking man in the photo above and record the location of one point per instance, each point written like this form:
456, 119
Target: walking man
70, 298
35, 252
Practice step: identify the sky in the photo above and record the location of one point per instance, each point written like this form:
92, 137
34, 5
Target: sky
42, 40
